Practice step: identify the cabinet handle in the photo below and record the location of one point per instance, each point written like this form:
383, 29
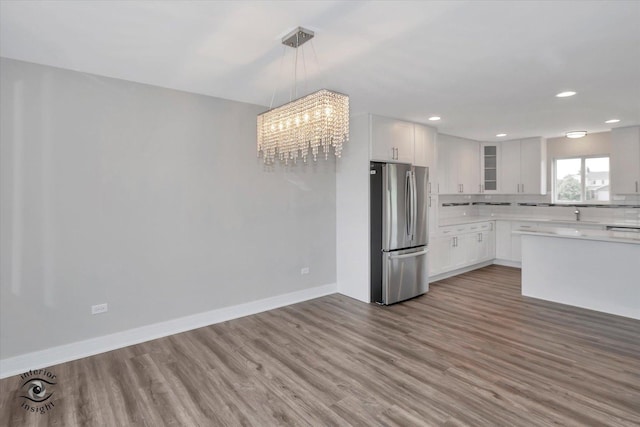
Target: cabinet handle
455, 242
462, 188
429, 201
636, 186
523, 188
438, 188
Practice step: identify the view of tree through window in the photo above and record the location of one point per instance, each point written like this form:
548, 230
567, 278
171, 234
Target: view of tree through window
582, 179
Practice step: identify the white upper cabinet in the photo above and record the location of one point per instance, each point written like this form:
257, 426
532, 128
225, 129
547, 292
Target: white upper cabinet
489, 166
458, 165
425, 147
391, 140
625, 160
398, 141
533, 166
523, 166
509, 173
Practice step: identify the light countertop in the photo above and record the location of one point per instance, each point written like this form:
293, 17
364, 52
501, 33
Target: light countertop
474, 219
597, 235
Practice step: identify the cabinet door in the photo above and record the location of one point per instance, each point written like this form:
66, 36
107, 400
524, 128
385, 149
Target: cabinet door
425, 148
469, 167
533, 170
448, 166
440, 255
625, 160
432, 206
510, 167
391, 140
489, 169
459, 251
503, 239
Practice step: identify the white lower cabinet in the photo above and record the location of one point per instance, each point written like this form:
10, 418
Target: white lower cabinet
460, 246
507, 243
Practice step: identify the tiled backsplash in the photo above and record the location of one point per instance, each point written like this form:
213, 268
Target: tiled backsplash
453, 206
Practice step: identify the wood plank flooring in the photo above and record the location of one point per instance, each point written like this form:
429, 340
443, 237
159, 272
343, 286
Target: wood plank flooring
472, 351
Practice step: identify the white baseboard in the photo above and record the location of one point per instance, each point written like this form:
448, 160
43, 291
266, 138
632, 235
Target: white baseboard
507, 263
452, 273
77, 350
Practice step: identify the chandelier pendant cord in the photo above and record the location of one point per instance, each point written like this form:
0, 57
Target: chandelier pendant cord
273, 95
294, 93
304, 68
315, 56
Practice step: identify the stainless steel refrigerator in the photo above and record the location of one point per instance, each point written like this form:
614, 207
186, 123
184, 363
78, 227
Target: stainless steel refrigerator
399, 232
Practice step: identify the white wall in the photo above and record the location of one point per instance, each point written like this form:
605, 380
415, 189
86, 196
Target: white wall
149, 199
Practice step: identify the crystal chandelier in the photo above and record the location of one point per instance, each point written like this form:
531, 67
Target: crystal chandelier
315, 122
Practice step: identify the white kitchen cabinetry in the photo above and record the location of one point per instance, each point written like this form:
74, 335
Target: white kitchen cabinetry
440, 255
461, 246
392, 140
523, 166
507, 243
462, 160
425, 155
482, 242
503, 240
425, 148
489, 159
625, 160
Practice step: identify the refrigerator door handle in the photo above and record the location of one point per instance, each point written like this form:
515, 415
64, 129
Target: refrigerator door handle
407, 202
414, 205
413, 254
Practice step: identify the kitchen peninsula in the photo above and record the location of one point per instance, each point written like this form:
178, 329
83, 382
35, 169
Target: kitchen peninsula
594, 269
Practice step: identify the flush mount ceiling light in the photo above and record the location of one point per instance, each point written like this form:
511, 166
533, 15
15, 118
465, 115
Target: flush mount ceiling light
500, 135
565, 94
613, 121
576, 134
314, 122
434, 118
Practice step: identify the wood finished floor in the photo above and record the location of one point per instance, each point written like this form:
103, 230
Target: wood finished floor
471, 352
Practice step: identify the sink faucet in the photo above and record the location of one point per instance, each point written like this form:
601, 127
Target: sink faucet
577, 212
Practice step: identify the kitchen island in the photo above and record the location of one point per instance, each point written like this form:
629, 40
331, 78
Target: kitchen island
594, 269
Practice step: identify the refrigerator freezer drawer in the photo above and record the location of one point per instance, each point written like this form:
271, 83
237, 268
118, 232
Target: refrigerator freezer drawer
405, 274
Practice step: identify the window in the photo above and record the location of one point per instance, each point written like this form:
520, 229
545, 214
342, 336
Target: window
581, 180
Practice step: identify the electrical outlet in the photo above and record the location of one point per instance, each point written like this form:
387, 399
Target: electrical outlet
99, 308
305, 270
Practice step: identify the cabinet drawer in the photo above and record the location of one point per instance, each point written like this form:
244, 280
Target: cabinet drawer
524, 225
484, 226
451, 230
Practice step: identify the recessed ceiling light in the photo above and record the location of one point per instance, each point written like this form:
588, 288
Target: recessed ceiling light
566, 94
613, 121
500, 135
434, 118
576, 134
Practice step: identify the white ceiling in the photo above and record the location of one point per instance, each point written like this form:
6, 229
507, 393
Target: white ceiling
484, 66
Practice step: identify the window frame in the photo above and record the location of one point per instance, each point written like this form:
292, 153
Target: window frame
583, 181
